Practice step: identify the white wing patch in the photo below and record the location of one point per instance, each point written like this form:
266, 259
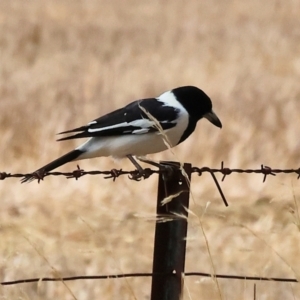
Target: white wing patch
140, 131
93, 122
124, 124
143, 123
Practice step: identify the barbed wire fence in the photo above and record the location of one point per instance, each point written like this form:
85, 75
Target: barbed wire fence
170, 237
115, 173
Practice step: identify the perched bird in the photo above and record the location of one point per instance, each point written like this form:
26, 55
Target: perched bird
142, 127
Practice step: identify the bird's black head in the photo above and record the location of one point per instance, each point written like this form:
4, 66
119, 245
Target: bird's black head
197, 104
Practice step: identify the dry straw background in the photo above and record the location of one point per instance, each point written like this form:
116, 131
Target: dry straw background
64, 63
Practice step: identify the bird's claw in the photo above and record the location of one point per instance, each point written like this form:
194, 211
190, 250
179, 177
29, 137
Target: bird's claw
139, 174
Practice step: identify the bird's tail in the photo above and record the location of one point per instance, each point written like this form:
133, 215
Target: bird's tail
72, 155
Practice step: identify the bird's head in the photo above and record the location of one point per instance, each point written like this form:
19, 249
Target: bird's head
197, 104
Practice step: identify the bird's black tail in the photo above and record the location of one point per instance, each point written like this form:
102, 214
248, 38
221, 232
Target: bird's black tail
54, 164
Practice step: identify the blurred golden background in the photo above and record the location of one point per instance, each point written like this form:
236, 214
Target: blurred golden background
65, 63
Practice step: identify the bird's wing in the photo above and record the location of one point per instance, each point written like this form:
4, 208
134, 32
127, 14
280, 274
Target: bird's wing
130, 119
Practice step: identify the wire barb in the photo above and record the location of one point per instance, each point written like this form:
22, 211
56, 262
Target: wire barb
76, 173
114, 174
3, 175
225, 171
266, 171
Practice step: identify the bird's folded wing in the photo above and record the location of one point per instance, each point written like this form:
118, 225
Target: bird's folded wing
130, 119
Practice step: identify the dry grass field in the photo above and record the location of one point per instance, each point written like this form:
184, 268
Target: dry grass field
64, 63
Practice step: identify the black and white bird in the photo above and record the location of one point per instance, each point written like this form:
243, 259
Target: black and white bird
142, 127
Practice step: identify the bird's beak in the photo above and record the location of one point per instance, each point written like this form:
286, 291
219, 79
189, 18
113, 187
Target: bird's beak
212, 117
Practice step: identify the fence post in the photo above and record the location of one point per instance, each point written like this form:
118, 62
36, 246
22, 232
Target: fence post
170, 236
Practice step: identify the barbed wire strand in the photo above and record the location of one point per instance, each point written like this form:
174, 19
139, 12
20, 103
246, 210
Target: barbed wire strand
115, 173
127, 275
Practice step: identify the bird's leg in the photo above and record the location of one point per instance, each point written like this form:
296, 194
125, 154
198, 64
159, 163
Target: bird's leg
136, 164
148, 161
166, 166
